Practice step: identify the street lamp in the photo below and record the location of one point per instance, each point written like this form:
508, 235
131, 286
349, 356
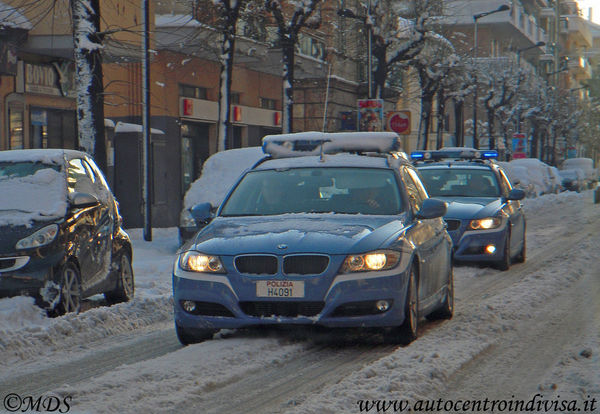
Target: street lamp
476, 17
538, 44
367, 22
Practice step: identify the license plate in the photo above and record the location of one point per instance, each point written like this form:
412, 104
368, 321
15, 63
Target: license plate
279, 289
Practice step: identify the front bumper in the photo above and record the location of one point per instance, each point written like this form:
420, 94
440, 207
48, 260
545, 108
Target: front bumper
230, 301
29, 278
469, 246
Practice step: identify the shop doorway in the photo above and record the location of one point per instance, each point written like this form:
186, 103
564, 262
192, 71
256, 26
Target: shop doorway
194, 151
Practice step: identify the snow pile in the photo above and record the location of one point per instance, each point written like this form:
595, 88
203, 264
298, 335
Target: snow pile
532, 175
41, 196
219, 173
25, 332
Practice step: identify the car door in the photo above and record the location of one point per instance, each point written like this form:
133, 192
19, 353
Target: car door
93, 226
424, 236
514, 210
442, 245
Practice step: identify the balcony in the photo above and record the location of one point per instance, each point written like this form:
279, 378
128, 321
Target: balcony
578, 30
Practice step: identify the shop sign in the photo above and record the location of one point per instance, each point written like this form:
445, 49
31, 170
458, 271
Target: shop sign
370, 114
55, 79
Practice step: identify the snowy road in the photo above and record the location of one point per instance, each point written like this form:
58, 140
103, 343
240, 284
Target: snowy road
532, 330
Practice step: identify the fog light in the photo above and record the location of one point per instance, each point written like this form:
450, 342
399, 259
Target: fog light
382, 305
188, 305
490, 249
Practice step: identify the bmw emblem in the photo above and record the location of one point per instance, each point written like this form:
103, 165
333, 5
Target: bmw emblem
282, 246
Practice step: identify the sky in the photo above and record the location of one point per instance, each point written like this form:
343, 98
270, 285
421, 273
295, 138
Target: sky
595, 5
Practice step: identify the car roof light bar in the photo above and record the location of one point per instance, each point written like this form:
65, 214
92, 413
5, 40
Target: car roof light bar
317, 143
454, 153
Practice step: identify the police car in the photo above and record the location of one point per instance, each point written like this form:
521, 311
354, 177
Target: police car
329, 229
485, 217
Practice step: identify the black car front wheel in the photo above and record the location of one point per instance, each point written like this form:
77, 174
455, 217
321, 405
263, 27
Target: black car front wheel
125, 288
70, 290
193, 336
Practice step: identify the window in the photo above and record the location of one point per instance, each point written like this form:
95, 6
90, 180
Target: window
309, 46
15, 126
416, 194
189, 91
267, 103
78, 178
235, 98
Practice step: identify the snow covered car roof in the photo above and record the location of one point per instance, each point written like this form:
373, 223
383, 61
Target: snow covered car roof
36, 195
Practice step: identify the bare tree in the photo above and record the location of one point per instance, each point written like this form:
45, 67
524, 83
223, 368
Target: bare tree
291, 17
88, 62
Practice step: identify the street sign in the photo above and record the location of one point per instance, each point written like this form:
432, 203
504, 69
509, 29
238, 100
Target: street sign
399, 122
519, 146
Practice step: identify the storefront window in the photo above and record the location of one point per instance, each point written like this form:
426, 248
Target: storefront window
15, 128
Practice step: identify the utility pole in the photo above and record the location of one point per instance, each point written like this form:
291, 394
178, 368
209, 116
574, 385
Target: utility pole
147, 159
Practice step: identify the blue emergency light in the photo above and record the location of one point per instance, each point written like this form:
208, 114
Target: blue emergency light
417, 155
489, 154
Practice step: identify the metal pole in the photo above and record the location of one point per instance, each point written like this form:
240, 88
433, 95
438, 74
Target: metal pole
147, 192
369, 52
518, 84
475, 138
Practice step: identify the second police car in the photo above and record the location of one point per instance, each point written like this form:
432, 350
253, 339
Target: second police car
485, 217
329, 229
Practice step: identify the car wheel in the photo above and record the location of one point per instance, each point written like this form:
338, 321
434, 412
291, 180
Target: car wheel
125, 287
70, 290
504, 263
447, 309
523, 253
193, 336
409, 330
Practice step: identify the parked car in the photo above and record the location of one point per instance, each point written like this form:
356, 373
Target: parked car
60, 231
533, 175
573, 179
586, 165
485, 217
318, 234
220, 171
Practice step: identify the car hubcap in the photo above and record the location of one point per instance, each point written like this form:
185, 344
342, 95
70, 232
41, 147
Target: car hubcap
70, 291
126, 275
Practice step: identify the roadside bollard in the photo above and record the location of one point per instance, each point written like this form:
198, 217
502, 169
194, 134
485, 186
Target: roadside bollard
597, 195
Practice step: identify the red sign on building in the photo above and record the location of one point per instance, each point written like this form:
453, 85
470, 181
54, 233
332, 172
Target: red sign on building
399, 122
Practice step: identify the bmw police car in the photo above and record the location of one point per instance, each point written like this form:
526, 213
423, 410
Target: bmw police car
484, 217
330, 229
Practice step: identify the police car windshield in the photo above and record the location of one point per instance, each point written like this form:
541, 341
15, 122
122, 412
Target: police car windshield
315, 190
456, 182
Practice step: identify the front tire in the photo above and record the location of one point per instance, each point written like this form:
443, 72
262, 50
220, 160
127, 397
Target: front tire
70, 290
446, 311
409, 330
125, 287
504, 263
193, 336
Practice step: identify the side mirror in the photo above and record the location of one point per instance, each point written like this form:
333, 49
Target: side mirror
202, 212
432, 208
516, 194
83, 200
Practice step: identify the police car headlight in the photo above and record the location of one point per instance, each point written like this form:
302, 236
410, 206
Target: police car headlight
40, 238
378, 260
198, 262
485, 224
